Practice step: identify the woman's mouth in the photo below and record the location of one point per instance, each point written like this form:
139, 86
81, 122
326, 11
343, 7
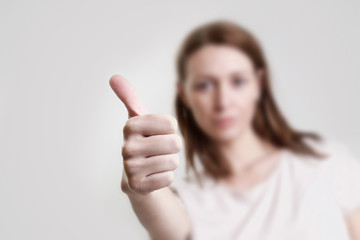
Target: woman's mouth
224, 122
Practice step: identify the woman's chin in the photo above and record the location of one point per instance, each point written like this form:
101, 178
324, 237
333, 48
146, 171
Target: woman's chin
227, 135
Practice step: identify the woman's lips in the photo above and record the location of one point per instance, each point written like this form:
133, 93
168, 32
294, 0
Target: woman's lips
225, 122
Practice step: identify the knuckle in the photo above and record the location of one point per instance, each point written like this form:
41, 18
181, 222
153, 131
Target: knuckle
124, 187
127, 130
127, 168
171, 123
128, 150
135, 184
169, 177
130, 126
131, 167
174, 162
176, 142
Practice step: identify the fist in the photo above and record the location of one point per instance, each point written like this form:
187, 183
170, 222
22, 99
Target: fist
150, 144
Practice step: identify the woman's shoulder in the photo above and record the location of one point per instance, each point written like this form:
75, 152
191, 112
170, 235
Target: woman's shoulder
344, 176
339, 172
338, 162
337, 153
305, 170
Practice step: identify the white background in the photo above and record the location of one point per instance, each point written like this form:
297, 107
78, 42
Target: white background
61, 124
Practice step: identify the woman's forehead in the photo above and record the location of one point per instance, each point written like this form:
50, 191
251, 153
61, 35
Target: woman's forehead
218, 60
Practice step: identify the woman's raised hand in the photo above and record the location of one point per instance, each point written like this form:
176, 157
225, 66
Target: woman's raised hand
150, 144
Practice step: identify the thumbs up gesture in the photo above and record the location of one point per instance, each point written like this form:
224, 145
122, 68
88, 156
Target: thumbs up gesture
150, 144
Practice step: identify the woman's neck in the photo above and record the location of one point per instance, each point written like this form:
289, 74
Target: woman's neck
244, 152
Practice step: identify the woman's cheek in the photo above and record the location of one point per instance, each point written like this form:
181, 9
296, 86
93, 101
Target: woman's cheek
203, 107
249, 113
202, 115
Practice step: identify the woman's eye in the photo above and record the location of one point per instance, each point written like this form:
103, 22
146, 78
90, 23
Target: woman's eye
238, 81
203, 85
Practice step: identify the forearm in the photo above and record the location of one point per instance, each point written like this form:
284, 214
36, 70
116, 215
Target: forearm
161, 215
353, 221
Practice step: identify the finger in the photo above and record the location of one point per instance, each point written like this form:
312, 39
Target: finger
152, 146
161, 163
157, 181
146, 166
127, 94
150, 124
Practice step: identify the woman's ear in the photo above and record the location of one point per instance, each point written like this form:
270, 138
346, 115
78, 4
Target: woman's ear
181, 92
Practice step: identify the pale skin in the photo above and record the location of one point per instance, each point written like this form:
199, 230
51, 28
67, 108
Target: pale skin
221, 89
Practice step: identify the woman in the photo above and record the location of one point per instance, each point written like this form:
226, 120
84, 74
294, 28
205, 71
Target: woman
250, 175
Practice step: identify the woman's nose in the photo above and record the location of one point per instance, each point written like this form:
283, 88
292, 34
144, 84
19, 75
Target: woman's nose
222, 97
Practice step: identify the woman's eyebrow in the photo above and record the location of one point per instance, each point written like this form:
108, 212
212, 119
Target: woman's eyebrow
201, 76
238, 72
206, 76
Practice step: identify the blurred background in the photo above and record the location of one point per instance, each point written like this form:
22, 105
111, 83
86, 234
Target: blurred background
61, 124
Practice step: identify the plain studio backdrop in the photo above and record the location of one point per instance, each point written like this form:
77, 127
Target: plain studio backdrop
61, 124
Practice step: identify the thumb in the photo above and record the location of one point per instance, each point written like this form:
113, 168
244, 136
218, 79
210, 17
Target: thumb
127, 94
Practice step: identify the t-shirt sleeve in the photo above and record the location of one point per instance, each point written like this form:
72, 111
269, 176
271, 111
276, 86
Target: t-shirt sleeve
346, 169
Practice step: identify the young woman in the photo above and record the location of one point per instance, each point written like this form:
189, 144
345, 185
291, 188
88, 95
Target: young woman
250, 175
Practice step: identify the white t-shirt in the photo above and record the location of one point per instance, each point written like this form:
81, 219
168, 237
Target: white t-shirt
304, 198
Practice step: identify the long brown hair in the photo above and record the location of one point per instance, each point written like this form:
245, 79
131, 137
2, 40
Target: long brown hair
268, 122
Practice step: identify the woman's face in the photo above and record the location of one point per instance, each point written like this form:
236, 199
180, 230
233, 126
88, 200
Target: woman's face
221, 89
